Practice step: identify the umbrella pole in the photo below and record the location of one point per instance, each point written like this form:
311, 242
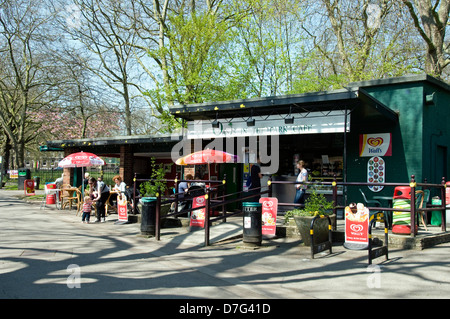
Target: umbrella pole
209, 174
82, 183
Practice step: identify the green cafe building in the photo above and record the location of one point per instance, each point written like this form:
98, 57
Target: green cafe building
373, 131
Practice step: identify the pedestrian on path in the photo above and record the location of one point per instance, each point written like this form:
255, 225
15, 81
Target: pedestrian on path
87, 208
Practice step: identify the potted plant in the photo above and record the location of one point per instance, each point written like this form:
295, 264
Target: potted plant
157, 179
149, 191
315, 205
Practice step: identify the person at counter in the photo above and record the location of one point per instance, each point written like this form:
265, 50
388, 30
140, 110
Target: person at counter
301, 188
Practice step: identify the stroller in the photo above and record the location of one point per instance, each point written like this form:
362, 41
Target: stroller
129, 192
186, 203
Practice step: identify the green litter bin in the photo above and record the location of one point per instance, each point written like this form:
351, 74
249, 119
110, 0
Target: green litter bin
436, 214
148, 216
24, 174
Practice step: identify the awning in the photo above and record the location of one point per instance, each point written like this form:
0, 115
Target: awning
350, 99
110, 146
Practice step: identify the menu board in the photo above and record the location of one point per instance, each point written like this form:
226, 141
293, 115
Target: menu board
376, 172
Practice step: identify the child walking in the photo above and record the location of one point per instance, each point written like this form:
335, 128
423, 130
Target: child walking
87, 207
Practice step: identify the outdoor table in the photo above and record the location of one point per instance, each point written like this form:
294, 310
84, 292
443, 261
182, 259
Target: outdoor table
71, 196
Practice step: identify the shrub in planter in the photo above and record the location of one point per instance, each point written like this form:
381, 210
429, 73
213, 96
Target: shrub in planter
315, 205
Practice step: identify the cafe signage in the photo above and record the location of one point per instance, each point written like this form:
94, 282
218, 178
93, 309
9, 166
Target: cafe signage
356, 226
379, 144
310, 123
198, 215
29, 187
269, 215
122, 208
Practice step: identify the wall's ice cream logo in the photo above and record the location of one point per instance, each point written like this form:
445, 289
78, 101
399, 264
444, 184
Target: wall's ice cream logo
375, 144
375, 141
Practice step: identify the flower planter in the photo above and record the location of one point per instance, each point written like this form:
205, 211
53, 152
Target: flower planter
320, 228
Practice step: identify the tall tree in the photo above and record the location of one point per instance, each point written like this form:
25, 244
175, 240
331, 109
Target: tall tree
362, 39
431, 19
108, 37
26, 76
182, 42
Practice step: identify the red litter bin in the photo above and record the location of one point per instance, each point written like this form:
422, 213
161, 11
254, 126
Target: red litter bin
402, 192
401, 221
51, 198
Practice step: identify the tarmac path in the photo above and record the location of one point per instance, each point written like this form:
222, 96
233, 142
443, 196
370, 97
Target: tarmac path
50, 254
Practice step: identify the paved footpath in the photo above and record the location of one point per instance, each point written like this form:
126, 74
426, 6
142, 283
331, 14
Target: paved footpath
51, 254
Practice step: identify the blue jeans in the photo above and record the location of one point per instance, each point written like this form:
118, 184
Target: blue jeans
299, 196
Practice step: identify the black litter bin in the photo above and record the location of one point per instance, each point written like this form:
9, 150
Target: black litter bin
252, 223
24, 174
148, 216
37, 181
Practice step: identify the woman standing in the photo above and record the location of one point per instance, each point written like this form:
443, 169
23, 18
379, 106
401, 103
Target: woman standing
301, 188
101, 195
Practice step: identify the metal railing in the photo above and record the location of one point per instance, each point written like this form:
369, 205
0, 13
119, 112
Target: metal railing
216, 197
412, 184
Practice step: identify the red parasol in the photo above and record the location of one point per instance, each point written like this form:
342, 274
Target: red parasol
81, 159
207, 157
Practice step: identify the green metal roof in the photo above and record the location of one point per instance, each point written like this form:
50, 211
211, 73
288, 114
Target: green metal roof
352, 98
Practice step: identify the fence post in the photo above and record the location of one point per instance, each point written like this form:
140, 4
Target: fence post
269, 185
224, 212
176, 192
134, 194
207, 195
158, 217
412, 184
334, 185
444, 205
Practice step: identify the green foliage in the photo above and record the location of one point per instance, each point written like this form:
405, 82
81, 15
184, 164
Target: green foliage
150, 188
316, 204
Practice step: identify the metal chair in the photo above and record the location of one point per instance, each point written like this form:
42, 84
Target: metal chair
51, 191
370, 202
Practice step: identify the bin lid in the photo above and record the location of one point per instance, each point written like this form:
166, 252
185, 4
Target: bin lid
251, 204
148, 199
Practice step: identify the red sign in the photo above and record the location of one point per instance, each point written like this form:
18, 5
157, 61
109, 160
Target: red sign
269, 215
29, 187
198, 215
357, 225
122, 208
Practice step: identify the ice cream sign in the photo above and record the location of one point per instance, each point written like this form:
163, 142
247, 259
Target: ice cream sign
375, 144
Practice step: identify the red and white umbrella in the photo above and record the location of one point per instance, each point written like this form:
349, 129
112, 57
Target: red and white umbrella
207, 157
81, 159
